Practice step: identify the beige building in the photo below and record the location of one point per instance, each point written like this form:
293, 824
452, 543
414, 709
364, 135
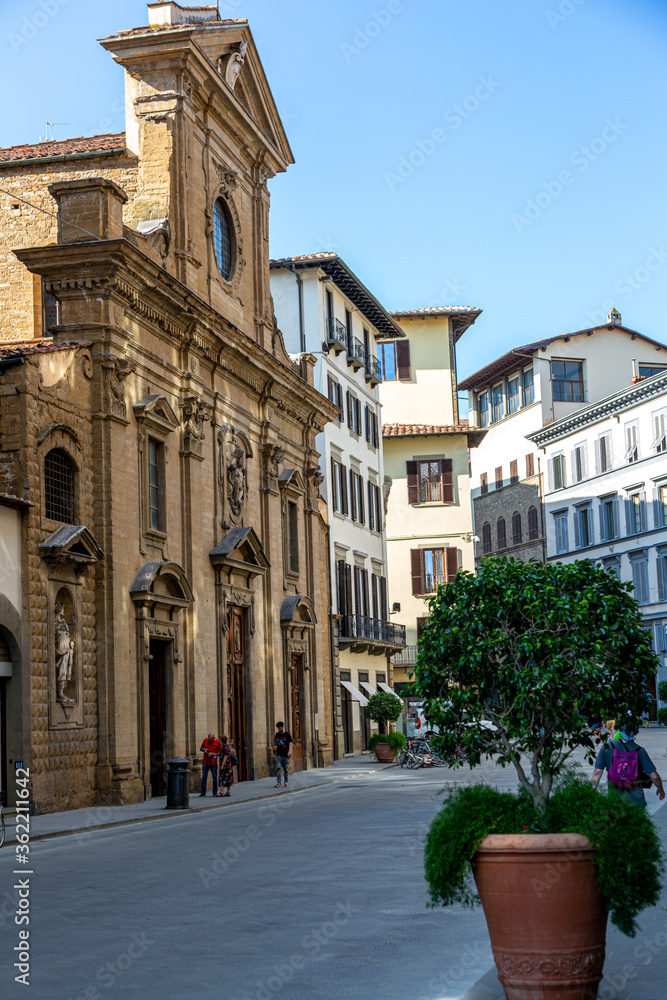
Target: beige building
426, 445
174, 563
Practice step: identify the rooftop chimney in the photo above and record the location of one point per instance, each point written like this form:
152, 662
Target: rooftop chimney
614, 318
167, 12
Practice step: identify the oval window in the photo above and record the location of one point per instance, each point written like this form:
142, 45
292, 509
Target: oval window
222, 236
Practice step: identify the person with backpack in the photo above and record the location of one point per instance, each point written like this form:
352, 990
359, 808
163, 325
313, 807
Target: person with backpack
626, 763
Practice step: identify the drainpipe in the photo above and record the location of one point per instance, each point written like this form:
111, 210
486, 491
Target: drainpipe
302, 335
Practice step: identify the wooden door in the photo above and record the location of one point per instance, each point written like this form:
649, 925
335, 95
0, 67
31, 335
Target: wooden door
236, 699
296, 675
157, 709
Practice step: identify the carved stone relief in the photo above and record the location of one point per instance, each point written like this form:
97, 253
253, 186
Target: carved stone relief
314, 480
241, 599
116, 372
235, 450
231, 63
273, 457
195, 413
386, 490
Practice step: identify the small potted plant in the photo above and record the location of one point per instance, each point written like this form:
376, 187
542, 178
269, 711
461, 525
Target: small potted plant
384, 708
540, 651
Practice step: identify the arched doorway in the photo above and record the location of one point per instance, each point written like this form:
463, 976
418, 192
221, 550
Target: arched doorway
297, 618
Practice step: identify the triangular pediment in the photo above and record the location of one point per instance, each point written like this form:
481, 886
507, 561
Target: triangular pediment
240, 545
71, 543
251, 87
156, 409
291, 479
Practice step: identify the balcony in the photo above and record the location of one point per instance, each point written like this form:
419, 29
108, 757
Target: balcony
337, 338
374, 635
406, 658
373, 370
356, 354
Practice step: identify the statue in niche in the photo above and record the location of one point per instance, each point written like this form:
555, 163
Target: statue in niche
274, 456
237, 482
195, 413
64, 655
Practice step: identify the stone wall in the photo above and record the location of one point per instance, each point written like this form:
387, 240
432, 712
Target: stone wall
515, 497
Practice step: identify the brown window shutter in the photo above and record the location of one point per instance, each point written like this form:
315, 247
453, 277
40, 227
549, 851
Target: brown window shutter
530, 465
353, 495
345, 509
371, 519
384, 610
499, 477
340, 587
367, 418
483, 483
413, 482
378, 508
417, 571
451, 563
339, 401
376, 437
350, 418
348, 589
357, 405
360, 499
334, 494
403, 360
447, 480
330, 385
420, 627
375, 584
357, 590
514, 471
364, 579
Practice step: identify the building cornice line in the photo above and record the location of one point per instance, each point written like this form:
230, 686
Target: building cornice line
650, 388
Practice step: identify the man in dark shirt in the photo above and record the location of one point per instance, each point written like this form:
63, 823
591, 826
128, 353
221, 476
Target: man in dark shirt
624, 742
282, 741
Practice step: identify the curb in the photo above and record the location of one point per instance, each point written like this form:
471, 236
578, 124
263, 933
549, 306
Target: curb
180, 813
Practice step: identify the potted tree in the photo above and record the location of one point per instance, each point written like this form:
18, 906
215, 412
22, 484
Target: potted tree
662, 695
384, 708
540, 651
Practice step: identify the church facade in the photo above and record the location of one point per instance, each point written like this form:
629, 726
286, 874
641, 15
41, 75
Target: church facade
159, 438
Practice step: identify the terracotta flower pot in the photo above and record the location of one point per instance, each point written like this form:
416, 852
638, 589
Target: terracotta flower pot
546, 917
384, 753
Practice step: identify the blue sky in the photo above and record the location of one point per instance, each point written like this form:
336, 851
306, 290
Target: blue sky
508, 155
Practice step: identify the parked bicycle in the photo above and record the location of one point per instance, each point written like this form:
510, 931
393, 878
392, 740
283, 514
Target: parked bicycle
419, 752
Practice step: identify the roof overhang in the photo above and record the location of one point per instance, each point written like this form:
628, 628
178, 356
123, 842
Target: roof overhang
460, 317
335, 268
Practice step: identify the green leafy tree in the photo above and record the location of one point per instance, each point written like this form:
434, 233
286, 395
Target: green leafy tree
383, 708
539, 650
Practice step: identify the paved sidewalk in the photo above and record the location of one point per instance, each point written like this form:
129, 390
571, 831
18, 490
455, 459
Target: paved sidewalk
77, 821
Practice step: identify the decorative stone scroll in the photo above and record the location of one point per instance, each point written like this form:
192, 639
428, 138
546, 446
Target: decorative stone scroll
116, 372
314, 480
386, 490
240, 599
273, 457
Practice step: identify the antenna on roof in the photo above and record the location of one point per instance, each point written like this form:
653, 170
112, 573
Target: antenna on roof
50, 125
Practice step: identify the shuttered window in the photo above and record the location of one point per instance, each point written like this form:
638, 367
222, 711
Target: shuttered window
486, 538
483, 483
514, 472
530, 465
403, 360
516, 528
431, 567
353, 495
499, 477
533, 526
500, 533
430, 481
371, 507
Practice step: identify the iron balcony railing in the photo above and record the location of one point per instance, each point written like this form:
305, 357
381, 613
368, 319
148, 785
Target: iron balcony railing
356, 353
337, 334
406, 658
372, 629
373, 370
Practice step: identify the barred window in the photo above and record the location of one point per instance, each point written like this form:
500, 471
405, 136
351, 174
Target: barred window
59, 487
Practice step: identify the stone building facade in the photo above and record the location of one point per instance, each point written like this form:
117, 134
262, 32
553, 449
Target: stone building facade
509, 521
175, 559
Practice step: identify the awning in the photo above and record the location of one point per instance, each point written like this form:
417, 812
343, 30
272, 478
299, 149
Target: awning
385, 687
368, 687
355, 692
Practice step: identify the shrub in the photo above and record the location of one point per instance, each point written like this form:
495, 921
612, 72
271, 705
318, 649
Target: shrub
539, 649
383, 707
627, 851
662, 716
395, 740
662, 690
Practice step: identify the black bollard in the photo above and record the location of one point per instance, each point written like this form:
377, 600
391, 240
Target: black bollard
178, 784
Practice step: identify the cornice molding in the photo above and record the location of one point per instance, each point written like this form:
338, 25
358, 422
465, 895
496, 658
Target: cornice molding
618, 403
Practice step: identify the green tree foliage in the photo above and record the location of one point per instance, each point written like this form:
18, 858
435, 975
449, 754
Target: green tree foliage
627, 852
383, 707
539, 650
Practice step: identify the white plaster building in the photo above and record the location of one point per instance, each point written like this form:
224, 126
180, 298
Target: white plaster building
521, 392
426, 454
13, 642
324, 309
606, 493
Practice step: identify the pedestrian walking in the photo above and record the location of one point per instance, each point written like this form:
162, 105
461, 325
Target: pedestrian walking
226, 768
211, 747
625, 762
282, 741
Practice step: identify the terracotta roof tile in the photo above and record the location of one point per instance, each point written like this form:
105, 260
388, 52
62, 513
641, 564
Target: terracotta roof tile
61, 147
323, 255
437, 311
154, 28
19, 349
9, 500
424, 430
